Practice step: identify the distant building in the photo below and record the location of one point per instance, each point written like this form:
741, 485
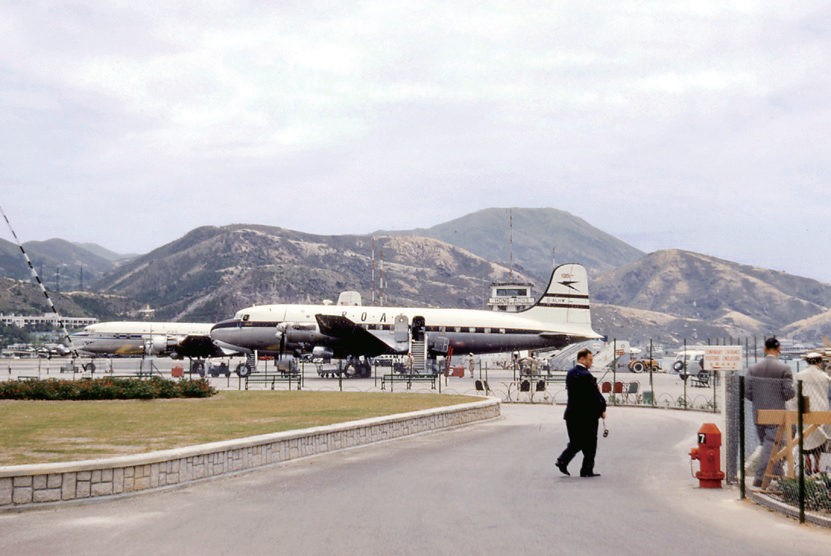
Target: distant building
510, 297
47, 318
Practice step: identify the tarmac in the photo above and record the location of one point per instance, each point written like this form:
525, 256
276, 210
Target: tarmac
489, 488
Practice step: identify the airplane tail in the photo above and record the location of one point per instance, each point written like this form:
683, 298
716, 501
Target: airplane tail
566, 300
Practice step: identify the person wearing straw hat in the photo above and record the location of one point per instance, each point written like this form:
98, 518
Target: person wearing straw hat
816, 387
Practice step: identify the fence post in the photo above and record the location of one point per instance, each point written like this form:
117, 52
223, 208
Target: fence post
800, 405
741, 439
614, 370
651, 383
714, 376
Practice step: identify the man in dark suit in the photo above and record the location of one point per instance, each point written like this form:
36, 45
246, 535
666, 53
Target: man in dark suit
768, 384
585, 406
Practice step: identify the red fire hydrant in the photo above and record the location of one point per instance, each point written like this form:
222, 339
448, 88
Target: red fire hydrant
708, 455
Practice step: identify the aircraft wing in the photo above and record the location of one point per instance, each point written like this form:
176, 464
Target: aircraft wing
200, 346
559, 340
360, 341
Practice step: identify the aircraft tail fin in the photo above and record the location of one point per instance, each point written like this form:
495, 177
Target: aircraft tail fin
566, 299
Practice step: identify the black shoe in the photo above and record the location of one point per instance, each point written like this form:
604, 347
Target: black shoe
563, 468
592, 474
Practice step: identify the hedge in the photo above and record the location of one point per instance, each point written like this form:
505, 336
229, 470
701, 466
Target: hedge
105, 389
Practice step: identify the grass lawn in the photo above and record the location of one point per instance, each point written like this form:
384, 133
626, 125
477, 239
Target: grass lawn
45, 431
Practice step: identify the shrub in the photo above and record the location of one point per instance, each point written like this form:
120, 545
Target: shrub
105, 389
817, 492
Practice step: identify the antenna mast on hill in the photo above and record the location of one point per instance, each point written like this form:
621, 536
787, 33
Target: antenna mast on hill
382, 277
373, 272
511, 241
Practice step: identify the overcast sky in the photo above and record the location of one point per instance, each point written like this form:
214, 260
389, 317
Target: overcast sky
701, 125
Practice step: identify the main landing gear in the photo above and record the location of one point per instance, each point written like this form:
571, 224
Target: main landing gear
358, 367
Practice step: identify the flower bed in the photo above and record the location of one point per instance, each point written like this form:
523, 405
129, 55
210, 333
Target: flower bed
105, 389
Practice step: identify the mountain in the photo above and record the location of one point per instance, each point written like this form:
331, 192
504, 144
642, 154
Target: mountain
212, 272
738, 297
811, 329
24, 298
59, 261
105, 253
536, 231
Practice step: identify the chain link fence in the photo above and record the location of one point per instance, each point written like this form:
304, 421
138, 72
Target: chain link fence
777, 438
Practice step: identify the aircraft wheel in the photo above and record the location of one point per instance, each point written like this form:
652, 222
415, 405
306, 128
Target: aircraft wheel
198, 367
243, 370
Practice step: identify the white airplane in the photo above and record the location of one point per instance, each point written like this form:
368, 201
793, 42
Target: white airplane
169, 339
560, 317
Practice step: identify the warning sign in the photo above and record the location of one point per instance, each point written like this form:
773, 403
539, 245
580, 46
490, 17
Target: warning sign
723, 358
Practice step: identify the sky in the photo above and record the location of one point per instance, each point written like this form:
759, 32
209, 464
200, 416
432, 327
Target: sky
700, 125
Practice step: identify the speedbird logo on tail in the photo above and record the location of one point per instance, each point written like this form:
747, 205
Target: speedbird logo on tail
568, 284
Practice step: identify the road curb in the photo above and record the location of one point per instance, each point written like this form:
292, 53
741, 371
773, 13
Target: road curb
782, 508
50, 484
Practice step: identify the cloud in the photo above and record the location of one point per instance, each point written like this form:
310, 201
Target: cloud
675, 124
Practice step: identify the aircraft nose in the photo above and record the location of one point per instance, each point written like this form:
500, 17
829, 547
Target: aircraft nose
223, 331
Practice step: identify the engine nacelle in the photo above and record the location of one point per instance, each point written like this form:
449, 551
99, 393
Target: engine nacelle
158, 345
298, 334
320, 352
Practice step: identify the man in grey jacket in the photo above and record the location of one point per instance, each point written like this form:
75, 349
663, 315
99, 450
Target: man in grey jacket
769, 384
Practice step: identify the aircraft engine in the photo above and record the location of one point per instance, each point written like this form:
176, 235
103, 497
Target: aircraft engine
297, 334
157, 345
320, 352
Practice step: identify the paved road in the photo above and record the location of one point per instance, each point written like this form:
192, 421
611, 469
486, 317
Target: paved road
484, 489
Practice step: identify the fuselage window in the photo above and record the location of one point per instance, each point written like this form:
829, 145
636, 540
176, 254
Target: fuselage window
458, 329
501, 330
245, 318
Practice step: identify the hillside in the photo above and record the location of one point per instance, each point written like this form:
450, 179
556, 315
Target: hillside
51, 255
717, 292
811, 329
212, 272
25, 298
536, 231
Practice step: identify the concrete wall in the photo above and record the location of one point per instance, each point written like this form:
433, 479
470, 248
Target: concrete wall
23, 486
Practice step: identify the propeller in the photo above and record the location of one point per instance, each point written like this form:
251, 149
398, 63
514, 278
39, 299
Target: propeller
282, 333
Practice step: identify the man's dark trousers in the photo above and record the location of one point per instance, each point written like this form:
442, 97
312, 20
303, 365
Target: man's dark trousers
582, 436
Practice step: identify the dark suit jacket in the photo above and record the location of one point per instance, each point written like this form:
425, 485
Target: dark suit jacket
584, 399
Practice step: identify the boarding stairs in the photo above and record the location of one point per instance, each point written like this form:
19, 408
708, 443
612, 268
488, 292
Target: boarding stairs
566, 357
418, 349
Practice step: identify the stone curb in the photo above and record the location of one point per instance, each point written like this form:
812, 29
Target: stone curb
782, 508
28, 486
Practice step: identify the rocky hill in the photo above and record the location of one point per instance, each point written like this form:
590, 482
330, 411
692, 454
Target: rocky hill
60, 262
745, 299
212, 272
810, 330
536, 231
25, 298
